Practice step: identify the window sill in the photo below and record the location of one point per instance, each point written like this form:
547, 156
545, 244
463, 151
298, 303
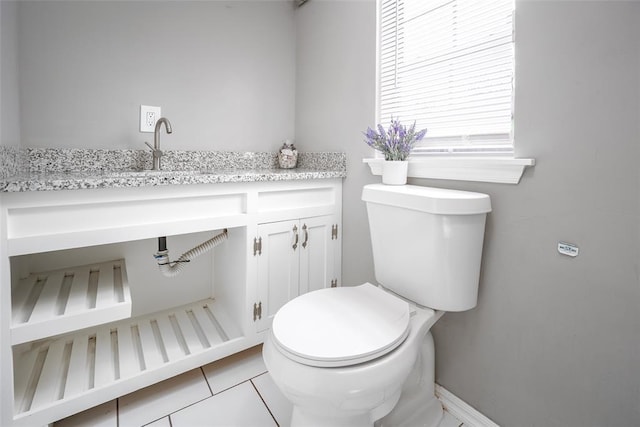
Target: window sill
482, 169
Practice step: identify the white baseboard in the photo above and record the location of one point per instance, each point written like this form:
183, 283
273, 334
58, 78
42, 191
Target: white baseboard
460, 409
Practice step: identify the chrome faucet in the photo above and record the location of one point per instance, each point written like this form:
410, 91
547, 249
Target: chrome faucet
156, 152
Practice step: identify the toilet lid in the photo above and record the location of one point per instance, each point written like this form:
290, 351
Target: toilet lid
341, 326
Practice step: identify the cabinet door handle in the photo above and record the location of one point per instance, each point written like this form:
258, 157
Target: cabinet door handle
295, 233
306, 235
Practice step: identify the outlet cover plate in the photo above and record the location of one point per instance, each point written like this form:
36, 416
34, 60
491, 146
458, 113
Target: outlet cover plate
148, 117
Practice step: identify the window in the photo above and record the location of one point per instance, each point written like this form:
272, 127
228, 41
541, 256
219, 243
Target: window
448, 65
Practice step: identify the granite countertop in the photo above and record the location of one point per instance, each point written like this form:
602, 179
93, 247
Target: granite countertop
63, 169
125, 179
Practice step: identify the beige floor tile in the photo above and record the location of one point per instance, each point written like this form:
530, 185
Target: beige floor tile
234, 369
159, 400
279, 406
239, 406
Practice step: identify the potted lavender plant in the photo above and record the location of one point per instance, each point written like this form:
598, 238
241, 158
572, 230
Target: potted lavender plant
395, 144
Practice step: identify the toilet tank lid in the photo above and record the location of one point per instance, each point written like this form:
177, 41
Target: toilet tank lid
428, 199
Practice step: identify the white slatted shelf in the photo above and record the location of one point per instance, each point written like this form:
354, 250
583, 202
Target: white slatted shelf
53, 373
56, 302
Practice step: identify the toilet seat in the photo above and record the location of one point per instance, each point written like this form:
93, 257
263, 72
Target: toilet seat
343, 326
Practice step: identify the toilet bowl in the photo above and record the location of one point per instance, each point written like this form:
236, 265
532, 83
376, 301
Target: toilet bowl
363, 356
358, 383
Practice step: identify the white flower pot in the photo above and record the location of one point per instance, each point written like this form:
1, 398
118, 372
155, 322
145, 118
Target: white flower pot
394, 172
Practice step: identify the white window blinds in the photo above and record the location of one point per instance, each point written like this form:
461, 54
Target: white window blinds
448, 65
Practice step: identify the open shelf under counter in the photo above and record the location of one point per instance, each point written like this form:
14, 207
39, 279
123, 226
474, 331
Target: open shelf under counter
55, 302
53, 368
58, 377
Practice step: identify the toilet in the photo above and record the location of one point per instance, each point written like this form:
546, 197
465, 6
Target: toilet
364, 355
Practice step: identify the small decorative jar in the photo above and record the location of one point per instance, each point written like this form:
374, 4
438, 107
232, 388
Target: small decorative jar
288, 156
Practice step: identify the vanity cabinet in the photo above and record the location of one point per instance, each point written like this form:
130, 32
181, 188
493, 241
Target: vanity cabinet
85, 315
294, 257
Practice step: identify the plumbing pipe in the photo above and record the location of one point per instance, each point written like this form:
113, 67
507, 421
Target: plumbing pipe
173, 268
162, 244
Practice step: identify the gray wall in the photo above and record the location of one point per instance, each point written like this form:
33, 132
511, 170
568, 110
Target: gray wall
554, 341
335, 102
9, 99
223, 73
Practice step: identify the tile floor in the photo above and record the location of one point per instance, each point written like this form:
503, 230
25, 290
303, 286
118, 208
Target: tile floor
233, 392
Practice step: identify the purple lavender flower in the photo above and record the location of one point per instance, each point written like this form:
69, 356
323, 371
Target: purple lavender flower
396, 142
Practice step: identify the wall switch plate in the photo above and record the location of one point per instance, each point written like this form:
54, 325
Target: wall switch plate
148, 118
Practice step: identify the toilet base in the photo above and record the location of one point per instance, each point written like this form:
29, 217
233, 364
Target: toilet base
397, 389
418, 404
299, 418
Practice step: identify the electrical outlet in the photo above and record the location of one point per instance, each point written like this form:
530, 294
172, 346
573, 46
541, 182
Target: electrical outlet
148, 118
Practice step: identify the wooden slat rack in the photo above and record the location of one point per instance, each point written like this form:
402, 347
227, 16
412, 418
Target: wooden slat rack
56, 302
55, 377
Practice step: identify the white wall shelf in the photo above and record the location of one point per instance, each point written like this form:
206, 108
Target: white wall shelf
55, 302
502, 170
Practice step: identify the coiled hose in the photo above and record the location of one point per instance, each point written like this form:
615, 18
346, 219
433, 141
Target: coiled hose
173, 268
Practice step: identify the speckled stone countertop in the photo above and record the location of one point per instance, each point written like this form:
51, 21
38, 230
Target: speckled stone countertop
64, 169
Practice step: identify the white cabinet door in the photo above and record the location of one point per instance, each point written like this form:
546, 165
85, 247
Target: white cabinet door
295, 257
278, 267
317, 261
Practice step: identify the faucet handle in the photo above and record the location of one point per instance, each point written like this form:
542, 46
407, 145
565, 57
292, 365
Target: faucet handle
155, 151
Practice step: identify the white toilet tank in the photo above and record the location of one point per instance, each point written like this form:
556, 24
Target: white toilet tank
427, 243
